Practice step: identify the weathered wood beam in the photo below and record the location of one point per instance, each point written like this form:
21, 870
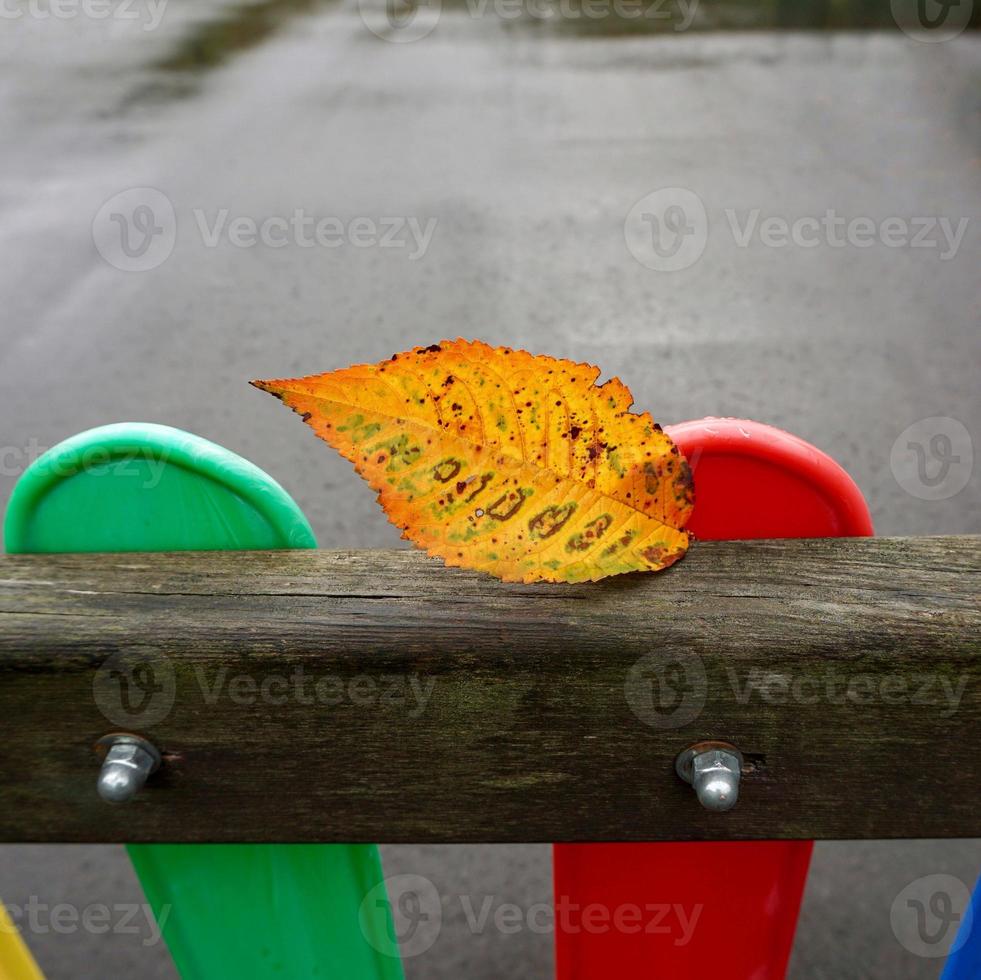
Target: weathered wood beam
378, 696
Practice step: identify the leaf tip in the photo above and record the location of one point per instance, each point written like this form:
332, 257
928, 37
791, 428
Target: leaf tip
271, 386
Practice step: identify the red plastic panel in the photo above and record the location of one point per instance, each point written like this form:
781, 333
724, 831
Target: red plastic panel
755, 481
721, 909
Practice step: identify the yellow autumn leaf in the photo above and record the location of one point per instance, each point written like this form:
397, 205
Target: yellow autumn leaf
500, 460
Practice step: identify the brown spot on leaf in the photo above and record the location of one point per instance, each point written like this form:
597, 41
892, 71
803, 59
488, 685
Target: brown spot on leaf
623, 541
592, 532
686, 481
551, 520
446, 470
485, 478
513, 502
652, 479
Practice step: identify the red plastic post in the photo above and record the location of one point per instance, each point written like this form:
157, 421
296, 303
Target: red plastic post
719, 909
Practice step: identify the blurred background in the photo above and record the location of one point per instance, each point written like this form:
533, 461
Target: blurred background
758, 209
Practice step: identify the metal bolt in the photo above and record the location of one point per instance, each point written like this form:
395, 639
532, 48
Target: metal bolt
713, 769
127, 760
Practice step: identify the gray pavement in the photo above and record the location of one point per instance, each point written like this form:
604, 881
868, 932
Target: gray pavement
529, 146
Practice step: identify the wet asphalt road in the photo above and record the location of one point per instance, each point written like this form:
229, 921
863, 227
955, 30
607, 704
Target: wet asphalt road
502, 161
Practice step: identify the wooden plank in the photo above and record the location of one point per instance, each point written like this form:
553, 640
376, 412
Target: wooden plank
344, 696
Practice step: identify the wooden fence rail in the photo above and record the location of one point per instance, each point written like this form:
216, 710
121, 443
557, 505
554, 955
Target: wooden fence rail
378, 696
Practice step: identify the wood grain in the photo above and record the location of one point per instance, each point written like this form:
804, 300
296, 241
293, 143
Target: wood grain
346, 696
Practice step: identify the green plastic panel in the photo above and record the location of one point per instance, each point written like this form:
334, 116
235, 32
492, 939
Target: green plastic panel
248, 911
144, 487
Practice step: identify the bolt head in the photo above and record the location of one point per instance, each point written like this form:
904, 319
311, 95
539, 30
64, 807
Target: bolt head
118, 783
715, 777
127, 762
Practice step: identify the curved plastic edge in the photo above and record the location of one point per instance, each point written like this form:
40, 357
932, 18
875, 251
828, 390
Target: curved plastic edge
16, 961
744, 437
99, 446
964, 960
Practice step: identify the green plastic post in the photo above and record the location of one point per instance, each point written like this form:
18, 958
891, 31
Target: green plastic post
249, 911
